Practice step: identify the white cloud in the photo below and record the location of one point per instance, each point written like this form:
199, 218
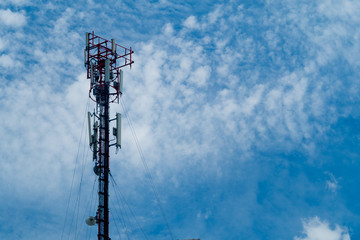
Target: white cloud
40, 105
332, 184
209, 96
168, 29
215, 15
200, 76
187, 100
347, 10
191, 23
3, 44
61, 25
12, 19
253, 100
315, 229
40, 125
7, 61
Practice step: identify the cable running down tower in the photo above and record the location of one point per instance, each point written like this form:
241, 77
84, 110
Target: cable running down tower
103, 60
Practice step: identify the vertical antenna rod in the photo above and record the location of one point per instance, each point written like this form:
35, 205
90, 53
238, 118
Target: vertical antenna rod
103, 60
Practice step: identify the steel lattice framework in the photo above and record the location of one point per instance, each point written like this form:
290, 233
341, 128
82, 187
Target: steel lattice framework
103, 60
97, 51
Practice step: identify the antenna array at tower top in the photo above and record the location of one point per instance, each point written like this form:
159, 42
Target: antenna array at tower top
98, 49
103, 60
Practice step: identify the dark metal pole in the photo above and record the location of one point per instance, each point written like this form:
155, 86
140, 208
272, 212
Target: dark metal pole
103, 164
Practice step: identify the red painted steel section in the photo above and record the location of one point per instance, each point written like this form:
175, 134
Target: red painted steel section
97, 51
100, 49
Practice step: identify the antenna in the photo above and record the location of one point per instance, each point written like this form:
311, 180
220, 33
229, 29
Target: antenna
89, 124
103, 60
94, 141
118, 130
121, 82
107, 71
86, 49
113, 46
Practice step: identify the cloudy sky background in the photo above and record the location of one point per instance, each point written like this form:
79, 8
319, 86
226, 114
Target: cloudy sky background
247, 113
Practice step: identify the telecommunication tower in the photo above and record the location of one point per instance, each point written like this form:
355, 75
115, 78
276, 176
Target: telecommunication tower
103, 60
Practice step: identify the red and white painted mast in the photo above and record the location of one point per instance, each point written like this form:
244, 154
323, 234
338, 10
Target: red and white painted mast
103, 60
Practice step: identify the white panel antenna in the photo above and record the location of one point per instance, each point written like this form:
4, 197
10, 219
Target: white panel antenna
107, 71
87, 40
86, 48
113, 46
118, 130
85, 57
90, 135
92, 80
94, 140
121, 81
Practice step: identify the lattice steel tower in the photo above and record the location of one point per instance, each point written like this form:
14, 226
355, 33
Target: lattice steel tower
103, 60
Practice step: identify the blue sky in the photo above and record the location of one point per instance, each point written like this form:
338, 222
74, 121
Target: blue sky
247, 113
